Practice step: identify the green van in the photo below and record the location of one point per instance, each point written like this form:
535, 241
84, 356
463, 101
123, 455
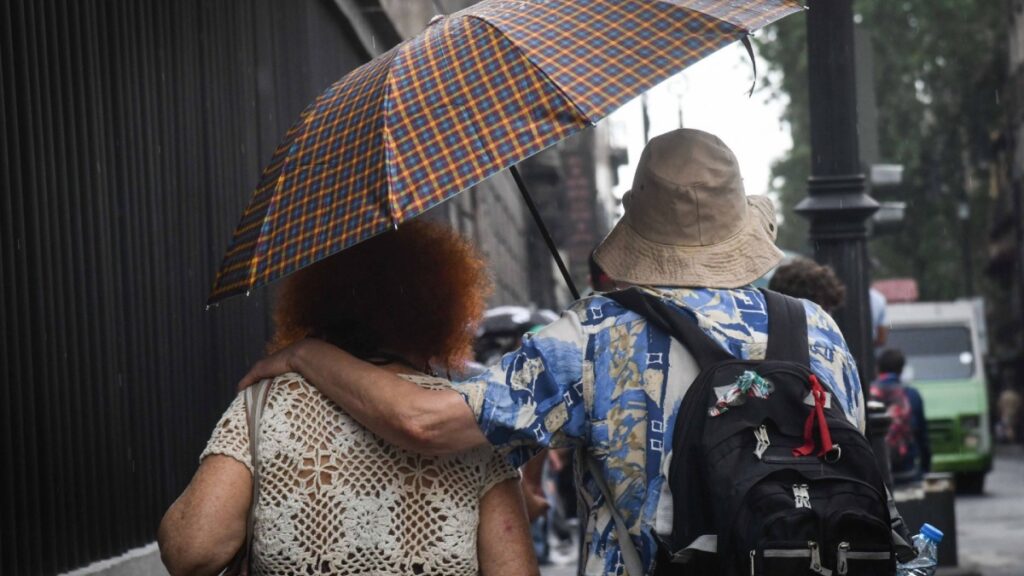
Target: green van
945, 345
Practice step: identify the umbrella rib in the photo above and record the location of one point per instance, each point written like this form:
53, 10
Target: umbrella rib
387, 141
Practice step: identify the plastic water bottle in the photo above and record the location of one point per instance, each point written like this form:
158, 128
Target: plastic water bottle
927, 545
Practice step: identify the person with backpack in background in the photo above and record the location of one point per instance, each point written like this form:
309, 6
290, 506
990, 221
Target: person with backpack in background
907, 439
610, 382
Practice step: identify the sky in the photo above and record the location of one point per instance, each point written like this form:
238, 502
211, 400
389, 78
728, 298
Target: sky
714, 97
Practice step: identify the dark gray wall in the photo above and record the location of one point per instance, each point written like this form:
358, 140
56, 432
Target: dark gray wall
131, 134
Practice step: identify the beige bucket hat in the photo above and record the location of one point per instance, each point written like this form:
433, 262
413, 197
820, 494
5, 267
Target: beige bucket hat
688, 221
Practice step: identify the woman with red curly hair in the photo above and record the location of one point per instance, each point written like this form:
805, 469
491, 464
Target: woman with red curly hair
333, 497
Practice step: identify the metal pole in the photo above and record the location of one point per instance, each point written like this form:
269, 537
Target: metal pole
544, 232
837, 205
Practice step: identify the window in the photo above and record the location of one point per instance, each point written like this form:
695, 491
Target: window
936, 352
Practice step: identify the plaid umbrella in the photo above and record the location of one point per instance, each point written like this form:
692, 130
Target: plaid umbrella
473, 94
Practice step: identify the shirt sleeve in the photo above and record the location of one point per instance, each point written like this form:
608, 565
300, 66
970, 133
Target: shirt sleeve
533, 398
231, 435
496, 470
832, 361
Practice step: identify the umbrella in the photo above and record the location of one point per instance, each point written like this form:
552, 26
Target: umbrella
514, 320
474, 93
504, 326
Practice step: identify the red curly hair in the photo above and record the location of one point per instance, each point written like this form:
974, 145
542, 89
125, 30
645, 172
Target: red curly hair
420, 289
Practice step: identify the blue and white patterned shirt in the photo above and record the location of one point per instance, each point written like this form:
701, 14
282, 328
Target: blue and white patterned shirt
600, 377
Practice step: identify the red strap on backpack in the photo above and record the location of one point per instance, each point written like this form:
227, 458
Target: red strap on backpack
817, 413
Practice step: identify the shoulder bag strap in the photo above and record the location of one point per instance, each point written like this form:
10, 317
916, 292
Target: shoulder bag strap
704, 350
787, 329
630, 556
255, 401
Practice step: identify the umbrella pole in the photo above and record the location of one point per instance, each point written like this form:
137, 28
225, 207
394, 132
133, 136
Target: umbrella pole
544, 231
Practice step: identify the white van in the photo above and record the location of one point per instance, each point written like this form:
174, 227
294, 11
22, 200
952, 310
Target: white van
945, 345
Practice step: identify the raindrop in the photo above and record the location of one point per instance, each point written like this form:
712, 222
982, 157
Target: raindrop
247, 292
207, 308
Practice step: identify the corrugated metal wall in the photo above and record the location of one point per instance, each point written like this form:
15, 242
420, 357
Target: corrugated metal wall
131, 133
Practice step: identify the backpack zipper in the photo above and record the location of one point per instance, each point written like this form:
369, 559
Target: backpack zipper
816, 560
813, 551
763, 442
844, 555
801, 496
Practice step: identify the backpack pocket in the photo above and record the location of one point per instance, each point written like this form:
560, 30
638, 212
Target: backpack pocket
859, 544
778, 536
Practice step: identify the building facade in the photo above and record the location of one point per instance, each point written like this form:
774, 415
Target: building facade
1006, 233
131, 136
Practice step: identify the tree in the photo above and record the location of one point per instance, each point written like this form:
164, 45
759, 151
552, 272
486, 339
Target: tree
939, 67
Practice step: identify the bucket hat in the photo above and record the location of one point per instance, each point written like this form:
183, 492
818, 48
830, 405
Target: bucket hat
688, 221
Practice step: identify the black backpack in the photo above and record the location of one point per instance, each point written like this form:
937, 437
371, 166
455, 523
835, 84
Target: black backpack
768, 477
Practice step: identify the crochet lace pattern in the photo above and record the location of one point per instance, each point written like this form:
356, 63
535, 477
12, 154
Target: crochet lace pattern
336, 499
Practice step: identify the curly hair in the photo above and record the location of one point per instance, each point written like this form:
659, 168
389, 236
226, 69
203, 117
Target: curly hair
420, 289
804, 278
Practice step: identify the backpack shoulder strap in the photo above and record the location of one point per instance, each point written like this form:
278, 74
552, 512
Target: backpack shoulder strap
255, 401
787, 329
630, 557
704, 350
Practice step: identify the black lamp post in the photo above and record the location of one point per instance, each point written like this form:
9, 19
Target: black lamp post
837, 205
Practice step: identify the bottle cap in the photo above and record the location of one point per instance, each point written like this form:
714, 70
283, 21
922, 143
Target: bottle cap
932, 533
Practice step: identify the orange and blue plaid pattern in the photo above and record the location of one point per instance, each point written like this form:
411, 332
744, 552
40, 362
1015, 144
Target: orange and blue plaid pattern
475, 93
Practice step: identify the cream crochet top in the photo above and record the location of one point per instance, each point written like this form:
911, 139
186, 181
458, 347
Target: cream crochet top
336, 499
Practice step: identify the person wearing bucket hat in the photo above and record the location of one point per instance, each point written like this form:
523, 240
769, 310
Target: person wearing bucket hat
601, 378
688, 221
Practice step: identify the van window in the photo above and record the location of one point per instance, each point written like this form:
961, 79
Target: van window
935, 352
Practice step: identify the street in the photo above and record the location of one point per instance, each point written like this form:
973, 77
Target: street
990, 527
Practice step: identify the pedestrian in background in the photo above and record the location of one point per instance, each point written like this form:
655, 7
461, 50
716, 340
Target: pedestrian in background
805, 278
879, 329
1008, 404
333, 497
907, 438
602, 379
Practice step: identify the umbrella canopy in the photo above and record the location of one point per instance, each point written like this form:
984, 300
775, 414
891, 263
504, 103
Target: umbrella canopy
503, 327
514, 320
473, 94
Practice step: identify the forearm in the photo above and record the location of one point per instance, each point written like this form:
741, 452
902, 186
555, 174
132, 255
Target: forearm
399, 411
504, 546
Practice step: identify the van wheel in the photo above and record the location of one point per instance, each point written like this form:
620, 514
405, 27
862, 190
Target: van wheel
970, 482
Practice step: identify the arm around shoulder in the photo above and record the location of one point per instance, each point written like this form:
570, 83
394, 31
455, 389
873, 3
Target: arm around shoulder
432, 422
